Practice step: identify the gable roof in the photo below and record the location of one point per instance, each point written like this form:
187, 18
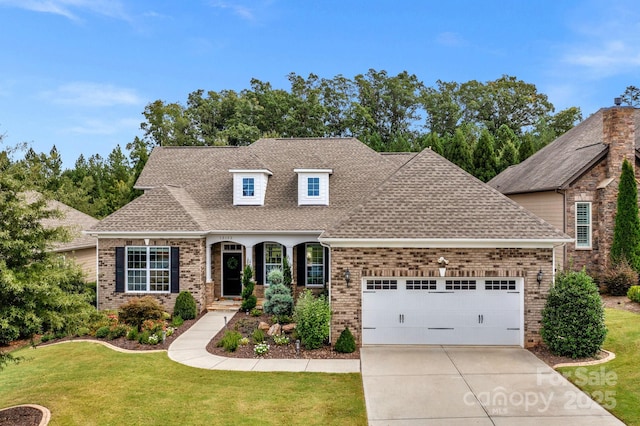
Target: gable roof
432, 199
203, 175
561, 162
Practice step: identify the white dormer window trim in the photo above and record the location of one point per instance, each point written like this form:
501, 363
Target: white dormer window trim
249, 186
313, 186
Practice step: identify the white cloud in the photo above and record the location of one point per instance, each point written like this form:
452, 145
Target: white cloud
237, 9
92, 126
71, 9
92, 95
451, 39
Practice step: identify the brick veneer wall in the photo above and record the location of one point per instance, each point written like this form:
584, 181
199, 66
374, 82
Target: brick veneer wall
346, 303
192, 272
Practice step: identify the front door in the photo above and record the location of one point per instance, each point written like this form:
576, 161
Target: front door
231, 274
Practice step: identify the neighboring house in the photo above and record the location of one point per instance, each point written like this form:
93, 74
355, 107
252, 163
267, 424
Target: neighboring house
368, 226
81, 248
572, 183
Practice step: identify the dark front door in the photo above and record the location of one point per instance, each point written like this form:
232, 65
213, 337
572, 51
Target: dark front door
231, 269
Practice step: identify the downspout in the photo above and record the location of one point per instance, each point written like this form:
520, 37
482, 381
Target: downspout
564, 226
329, 277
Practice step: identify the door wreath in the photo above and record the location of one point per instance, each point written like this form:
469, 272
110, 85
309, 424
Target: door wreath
232, 263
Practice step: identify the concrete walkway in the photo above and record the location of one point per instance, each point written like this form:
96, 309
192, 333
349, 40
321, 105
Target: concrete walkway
456, 385
190, 349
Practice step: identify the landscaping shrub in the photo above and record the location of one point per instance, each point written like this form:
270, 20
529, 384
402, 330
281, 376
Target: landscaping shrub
83, 331
258, 335
185, 306
287, 279
281, 340
230, 341
634, 293
278, 300
625, 246
255, 312
346, 343
619, 278
132, 334
138, 310
312, 315
143, 337
249, 300
177, 321
573, 318
117, 331
102, 332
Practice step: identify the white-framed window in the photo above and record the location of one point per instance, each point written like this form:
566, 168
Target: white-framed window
583, 225
313, 187
314, 255
272, 259
248, 187
148, 269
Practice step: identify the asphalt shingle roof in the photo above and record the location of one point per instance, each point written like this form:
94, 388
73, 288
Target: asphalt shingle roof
430, 198
562, 161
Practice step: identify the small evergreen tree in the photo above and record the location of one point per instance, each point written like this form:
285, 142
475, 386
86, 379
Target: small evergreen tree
249, 300
458, 152
278, 299
185, 306
484, 157
346, 343
508, 156
287, 278
626, 233
527, 148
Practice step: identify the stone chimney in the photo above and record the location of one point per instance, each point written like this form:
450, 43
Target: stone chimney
618, 132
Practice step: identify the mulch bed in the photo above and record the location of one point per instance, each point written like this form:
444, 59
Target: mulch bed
20, 416
246, 324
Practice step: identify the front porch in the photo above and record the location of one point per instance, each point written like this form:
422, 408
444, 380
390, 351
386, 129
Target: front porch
226, 256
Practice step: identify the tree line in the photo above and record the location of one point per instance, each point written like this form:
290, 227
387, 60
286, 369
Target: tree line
483, 127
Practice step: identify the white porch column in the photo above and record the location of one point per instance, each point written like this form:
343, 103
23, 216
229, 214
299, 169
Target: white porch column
248, 257
289, 250
208, 263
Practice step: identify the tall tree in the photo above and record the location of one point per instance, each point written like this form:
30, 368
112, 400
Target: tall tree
508, 156
484, 157
458, 151
626, 233
631, 96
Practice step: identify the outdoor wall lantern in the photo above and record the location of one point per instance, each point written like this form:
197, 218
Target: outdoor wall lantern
347, 277
442, 266
539, 277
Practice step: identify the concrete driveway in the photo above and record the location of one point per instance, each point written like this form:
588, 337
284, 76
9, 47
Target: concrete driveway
454, 385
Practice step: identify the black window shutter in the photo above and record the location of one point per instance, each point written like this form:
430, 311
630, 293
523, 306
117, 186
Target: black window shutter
120, 269
175, 269
258, 260
301, 267
327, 266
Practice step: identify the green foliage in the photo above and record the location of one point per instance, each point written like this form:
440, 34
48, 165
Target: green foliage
132, 334
346, 343
458, 151
140, 309
143, 338
626, 233
287, 278
6, 358
634, 293
484, 157
230, 341
312, 316
281, 340
177, 321
275, 277
261, 349
619, 278
249, 300
117, 331
573, 318
278, 299
185, 306
631, 96
258, 335
102, 332
255, 312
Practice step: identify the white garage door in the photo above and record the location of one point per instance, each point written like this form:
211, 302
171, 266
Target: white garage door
442, 311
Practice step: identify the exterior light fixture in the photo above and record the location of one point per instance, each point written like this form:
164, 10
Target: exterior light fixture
539, 277
442, 266
347, 277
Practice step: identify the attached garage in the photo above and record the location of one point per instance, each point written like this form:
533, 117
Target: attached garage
442, 311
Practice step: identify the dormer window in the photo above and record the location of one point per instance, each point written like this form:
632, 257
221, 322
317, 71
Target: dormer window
313, 186
249, 186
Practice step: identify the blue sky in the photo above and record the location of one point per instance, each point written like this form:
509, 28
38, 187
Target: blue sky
78, 73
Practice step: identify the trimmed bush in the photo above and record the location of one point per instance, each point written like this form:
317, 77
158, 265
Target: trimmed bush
185, 306
573, 318
177, 321
132, 334
249, 300
634, 293
278, 300
625, 246
102, 332
619, 278
230, 341
287, 279
138, 310
312, 315
117, 331
346, 343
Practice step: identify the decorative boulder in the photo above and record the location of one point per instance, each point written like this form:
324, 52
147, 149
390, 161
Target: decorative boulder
263, 326
288, 328
276, 329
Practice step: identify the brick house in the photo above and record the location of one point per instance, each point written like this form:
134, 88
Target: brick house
572, 183
367, 226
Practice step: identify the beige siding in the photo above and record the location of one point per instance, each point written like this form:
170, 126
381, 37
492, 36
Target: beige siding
86, 259
549, 206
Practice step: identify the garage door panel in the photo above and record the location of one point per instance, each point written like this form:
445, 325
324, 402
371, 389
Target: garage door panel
474, 311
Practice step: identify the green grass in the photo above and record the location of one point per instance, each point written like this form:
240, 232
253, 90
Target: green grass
616, 382
89, 384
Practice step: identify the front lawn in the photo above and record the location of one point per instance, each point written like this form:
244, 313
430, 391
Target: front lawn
616, 384
88, 384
